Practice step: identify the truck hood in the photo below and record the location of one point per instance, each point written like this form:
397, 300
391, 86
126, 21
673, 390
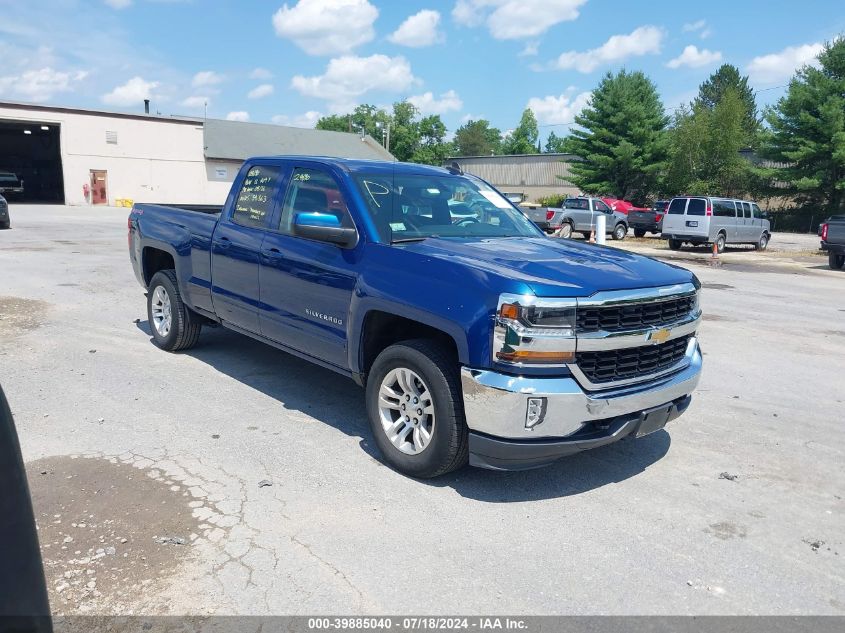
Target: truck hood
555, 267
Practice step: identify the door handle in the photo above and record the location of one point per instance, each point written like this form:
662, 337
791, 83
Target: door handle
224, 243
272, 253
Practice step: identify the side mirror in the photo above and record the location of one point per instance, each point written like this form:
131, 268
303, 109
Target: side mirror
324, 227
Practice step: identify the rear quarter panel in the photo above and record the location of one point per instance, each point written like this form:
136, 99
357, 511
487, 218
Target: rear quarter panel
186, 237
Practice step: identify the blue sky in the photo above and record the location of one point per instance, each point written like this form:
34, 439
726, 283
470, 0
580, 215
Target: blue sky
289, 62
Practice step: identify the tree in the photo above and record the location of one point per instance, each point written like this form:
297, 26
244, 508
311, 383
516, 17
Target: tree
555, 144
621, 139
432, 148
808, 132
477, 138
523, 140
711, 92
704, 149
421, 141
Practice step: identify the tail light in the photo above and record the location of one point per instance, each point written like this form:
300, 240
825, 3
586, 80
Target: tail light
129, 231
658, 217
549, 215
824, 232
709, 210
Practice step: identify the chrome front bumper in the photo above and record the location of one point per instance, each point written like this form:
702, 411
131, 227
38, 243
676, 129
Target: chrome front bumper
496, 404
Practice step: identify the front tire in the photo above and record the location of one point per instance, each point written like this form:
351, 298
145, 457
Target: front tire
415, 409
173, 326
835, 260
619, 232
762, 243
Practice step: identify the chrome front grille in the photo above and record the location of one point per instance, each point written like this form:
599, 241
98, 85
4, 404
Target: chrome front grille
619, 318
623, 364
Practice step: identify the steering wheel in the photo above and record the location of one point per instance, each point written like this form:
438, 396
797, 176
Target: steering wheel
465, 221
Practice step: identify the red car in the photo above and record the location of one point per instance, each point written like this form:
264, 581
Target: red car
623, 206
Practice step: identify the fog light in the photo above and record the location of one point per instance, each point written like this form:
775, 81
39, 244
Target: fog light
536, 412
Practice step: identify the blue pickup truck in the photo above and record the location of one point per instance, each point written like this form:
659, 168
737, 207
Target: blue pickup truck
477, 338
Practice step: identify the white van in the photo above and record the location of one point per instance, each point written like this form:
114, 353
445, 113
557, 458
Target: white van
700, 220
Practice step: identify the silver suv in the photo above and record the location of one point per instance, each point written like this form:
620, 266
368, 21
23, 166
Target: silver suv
706, 220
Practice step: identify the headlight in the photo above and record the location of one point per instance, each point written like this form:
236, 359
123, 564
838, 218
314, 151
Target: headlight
534, 331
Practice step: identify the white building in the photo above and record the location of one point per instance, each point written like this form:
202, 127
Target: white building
82, 157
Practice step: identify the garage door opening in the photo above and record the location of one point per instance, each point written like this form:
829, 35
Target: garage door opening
31, 162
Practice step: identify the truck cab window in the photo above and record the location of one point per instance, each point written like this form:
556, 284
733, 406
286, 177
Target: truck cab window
312, 191
254, 204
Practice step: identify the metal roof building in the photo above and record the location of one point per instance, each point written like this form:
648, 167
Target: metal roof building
83, 156
533, 175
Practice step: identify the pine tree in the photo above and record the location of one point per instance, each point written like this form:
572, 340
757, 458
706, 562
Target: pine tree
620, 138
555, 144
808, 132
477, 138
710, 94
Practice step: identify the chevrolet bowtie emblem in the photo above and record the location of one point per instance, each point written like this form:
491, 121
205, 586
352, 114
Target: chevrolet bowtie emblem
659, 336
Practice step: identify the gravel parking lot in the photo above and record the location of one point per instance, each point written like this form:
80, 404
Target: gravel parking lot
237, 479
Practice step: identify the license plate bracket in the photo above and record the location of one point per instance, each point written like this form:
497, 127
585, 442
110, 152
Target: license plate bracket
653, 420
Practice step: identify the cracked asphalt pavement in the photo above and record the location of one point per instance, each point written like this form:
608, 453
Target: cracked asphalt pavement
149, 470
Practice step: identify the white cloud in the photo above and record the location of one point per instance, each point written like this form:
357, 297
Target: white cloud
694, 58
264, 90
777, 67
260, 73
326, 27
195, 102
428, 104
351, 76
418, 30
41, 84
238, 115
530, 49
558, 110
308, 119
472, 117
515, 19
132, 92
699, 26
118, 4
206, 78
642, 41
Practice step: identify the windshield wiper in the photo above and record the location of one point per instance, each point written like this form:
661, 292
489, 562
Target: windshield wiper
405, 240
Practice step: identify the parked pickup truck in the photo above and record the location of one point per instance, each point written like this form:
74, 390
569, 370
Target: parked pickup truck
580, 215
648, 220
832, 232
477, 339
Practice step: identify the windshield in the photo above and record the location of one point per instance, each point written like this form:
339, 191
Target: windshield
408, 207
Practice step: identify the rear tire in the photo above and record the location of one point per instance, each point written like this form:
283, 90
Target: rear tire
835, 260
639, 233
762, 243
565, 231
720, 243
402, 373
173, 325
675, 245
586, 234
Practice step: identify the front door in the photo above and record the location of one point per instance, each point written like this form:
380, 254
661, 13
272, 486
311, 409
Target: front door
306, 285
99, 187
236, 247
601, 207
